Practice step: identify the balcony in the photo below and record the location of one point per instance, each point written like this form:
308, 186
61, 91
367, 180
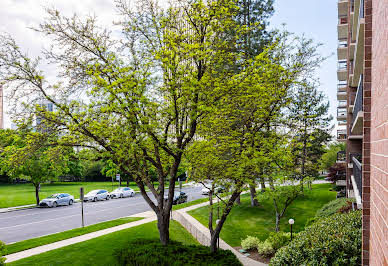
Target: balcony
342, 104
358, 114
342, 49
341, 123
342, 27
341, 113
341, 136
358, 56
357, 180
342, 70
342, 8
342, 86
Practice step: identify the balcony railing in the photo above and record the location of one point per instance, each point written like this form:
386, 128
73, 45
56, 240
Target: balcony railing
342, 85
342, 65
358, 102
358, 156
343, 20
357, 173
341, 112
341, 135
342, 103
361, 14
341, 155
343, 43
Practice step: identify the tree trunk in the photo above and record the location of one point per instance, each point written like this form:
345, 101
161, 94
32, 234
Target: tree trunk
254, 201
238, 200
213, 241
262, 182
127, 183
163, 227
277, 222
37, 194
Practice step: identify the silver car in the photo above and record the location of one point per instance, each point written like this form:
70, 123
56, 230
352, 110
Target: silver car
57, 199
122, 192
98, 194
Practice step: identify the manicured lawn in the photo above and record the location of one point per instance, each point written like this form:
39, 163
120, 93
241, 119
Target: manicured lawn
40, 241
259, 221
99, 251
12, 195
190, 203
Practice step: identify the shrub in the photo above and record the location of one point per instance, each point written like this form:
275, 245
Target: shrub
332, 207
143, 252
2, 252
279, 239
335, 240
265, 249
250, 242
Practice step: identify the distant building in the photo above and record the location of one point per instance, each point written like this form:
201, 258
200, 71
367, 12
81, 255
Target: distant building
40, 125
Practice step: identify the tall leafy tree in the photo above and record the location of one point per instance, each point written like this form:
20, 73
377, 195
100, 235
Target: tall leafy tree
138, 98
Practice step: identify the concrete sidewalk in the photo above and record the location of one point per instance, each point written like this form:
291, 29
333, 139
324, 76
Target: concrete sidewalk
149, 217
202, 234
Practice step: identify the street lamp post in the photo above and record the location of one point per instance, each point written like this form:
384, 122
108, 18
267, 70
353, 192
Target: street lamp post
291, 222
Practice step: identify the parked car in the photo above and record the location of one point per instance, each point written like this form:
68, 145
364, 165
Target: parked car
98, 194
57, 199
179, 197
122, 192
206, 191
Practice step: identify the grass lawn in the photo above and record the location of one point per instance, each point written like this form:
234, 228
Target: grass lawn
259, 221
190, 203
12, 195
99, 251
40, 241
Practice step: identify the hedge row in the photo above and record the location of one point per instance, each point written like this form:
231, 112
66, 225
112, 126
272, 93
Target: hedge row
335, 240
152, 253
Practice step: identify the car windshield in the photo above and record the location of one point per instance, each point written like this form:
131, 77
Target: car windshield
53, 196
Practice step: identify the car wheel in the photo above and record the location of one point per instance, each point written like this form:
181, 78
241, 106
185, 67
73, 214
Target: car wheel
121, 195
107, 197
71, 202
55, 204
95, 199
132, 194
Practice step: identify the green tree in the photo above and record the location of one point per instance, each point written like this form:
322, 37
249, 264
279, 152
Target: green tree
29, 157
329, 158
145, 92
310, 126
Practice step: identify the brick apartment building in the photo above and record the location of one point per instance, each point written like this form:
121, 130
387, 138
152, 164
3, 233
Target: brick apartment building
363, 116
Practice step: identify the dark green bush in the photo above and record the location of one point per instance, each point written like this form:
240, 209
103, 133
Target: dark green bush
335, 240
144, 252
2, 252
332, 207
278, 240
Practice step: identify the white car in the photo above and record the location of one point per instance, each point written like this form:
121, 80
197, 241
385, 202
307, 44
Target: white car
122, 192
98, 194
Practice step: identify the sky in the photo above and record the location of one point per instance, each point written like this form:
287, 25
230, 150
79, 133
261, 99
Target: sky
316, 19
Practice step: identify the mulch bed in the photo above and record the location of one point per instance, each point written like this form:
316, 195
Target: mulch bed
255, 255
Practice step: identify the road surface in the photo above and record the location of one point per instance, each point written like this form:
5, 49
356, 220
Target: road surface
31, 223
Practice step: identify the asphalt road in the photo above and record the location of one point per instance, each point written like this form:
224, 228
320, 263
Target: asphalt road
30, 223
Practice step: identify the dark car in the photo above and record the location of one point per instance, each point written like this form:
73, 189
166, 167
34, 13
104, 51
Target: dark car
179, 197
